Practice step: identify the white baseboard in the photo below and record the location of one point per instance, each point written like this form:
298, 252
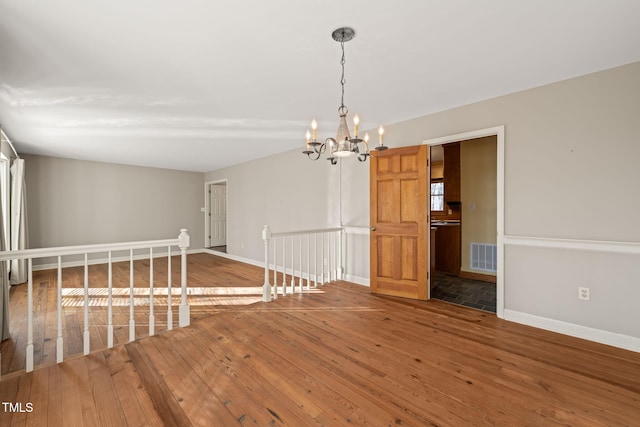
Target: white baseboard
363, 281
604, 337
65, 264
235, 257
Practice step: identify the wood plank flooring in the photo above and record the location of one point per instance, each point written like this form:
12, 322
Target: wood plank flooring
236, 286
337, 356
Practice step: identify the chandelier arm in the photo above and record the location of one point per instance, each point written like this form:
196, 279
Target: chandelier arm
321, 148
366, 146
313, 156
331, 143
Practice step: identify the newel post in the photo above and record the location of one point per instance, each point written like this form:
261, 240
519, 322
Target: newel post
266, 288
183, 244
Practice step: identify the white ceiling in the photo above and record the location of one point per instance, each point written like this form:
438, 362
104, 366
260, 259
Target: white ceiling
203, 84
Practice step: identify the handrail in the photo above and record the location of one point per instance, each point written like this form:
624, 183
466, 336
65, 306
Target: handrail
331, 261
297, 233
86, 249
182, 241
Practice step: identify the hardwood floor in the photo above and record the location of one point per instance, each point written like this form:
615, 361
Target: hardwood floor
232, 286
337, 355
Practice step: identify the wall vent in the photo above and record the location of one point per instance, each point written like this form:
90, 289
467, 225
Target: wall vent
484, 257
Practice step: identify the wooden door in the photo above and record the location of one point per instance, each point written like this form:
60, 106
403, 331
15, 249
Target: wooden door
399, 222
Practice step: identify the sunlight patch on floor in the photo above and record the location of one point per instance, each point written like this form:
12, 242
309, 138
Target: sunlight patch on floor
244, 290
197, 296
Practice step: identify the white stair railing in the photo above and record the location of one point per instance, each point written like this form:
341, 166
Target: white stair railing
182, 242
314, 255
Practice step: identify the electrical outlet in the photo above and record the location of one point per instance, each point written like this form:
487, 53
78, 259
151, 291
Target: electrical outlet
583, 293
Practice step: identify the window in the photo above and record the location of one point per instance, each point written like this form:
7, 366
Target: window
437, 196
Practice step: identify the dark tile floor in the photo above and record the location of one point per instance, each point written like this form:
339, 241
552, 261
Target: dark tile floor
467, 292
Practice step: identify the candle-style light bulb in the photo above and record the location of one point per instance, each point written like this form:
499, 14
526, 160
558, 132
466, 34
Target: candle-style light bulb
356, 121
308, 136
366, 137
380, 133
314, 126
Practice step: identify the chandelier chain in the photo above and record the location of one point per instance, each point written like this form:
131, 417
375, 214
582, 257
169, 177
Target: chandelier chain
342, 79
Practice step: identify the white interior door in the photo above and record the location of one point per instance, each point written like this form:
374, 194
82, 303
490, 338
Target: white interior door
218, 215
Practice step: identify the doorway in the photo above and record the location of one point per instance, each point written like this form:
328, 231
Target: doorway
479, 273
216, 216
463, 222
377, 268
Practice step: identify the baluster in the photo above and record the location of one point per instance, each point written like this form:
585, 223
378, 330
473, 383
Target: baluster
300, 277
315, 260
185, 316
59, 340
152, 325
275, 269
266, 287
284, 266
87, 344
110, 305
169, 297
322, 261
329, 248
341, 255
332, 258
328, 259
325, 263
132, 321
293, 271
335, 255
29, 350
308, 261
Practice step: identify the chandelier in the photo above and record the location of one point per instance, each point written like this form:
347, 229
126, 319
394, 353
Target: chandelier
343, 145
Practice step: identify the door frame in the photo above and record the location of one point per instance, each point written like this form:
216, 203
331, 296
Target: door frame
498, 132
207, 209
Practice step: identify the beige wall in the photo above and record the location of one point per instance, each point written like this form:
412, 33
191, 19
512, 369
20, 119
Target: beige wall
478, 185
75, 202
285, 191
571, 154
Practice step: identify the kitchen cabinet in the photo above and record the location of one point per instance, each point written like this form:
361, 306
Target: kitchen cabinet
447, 250
451, 173
432, 254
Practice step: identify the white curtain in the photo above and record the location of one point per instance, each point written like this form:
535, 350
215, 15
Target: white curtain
19, 236
4, 288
